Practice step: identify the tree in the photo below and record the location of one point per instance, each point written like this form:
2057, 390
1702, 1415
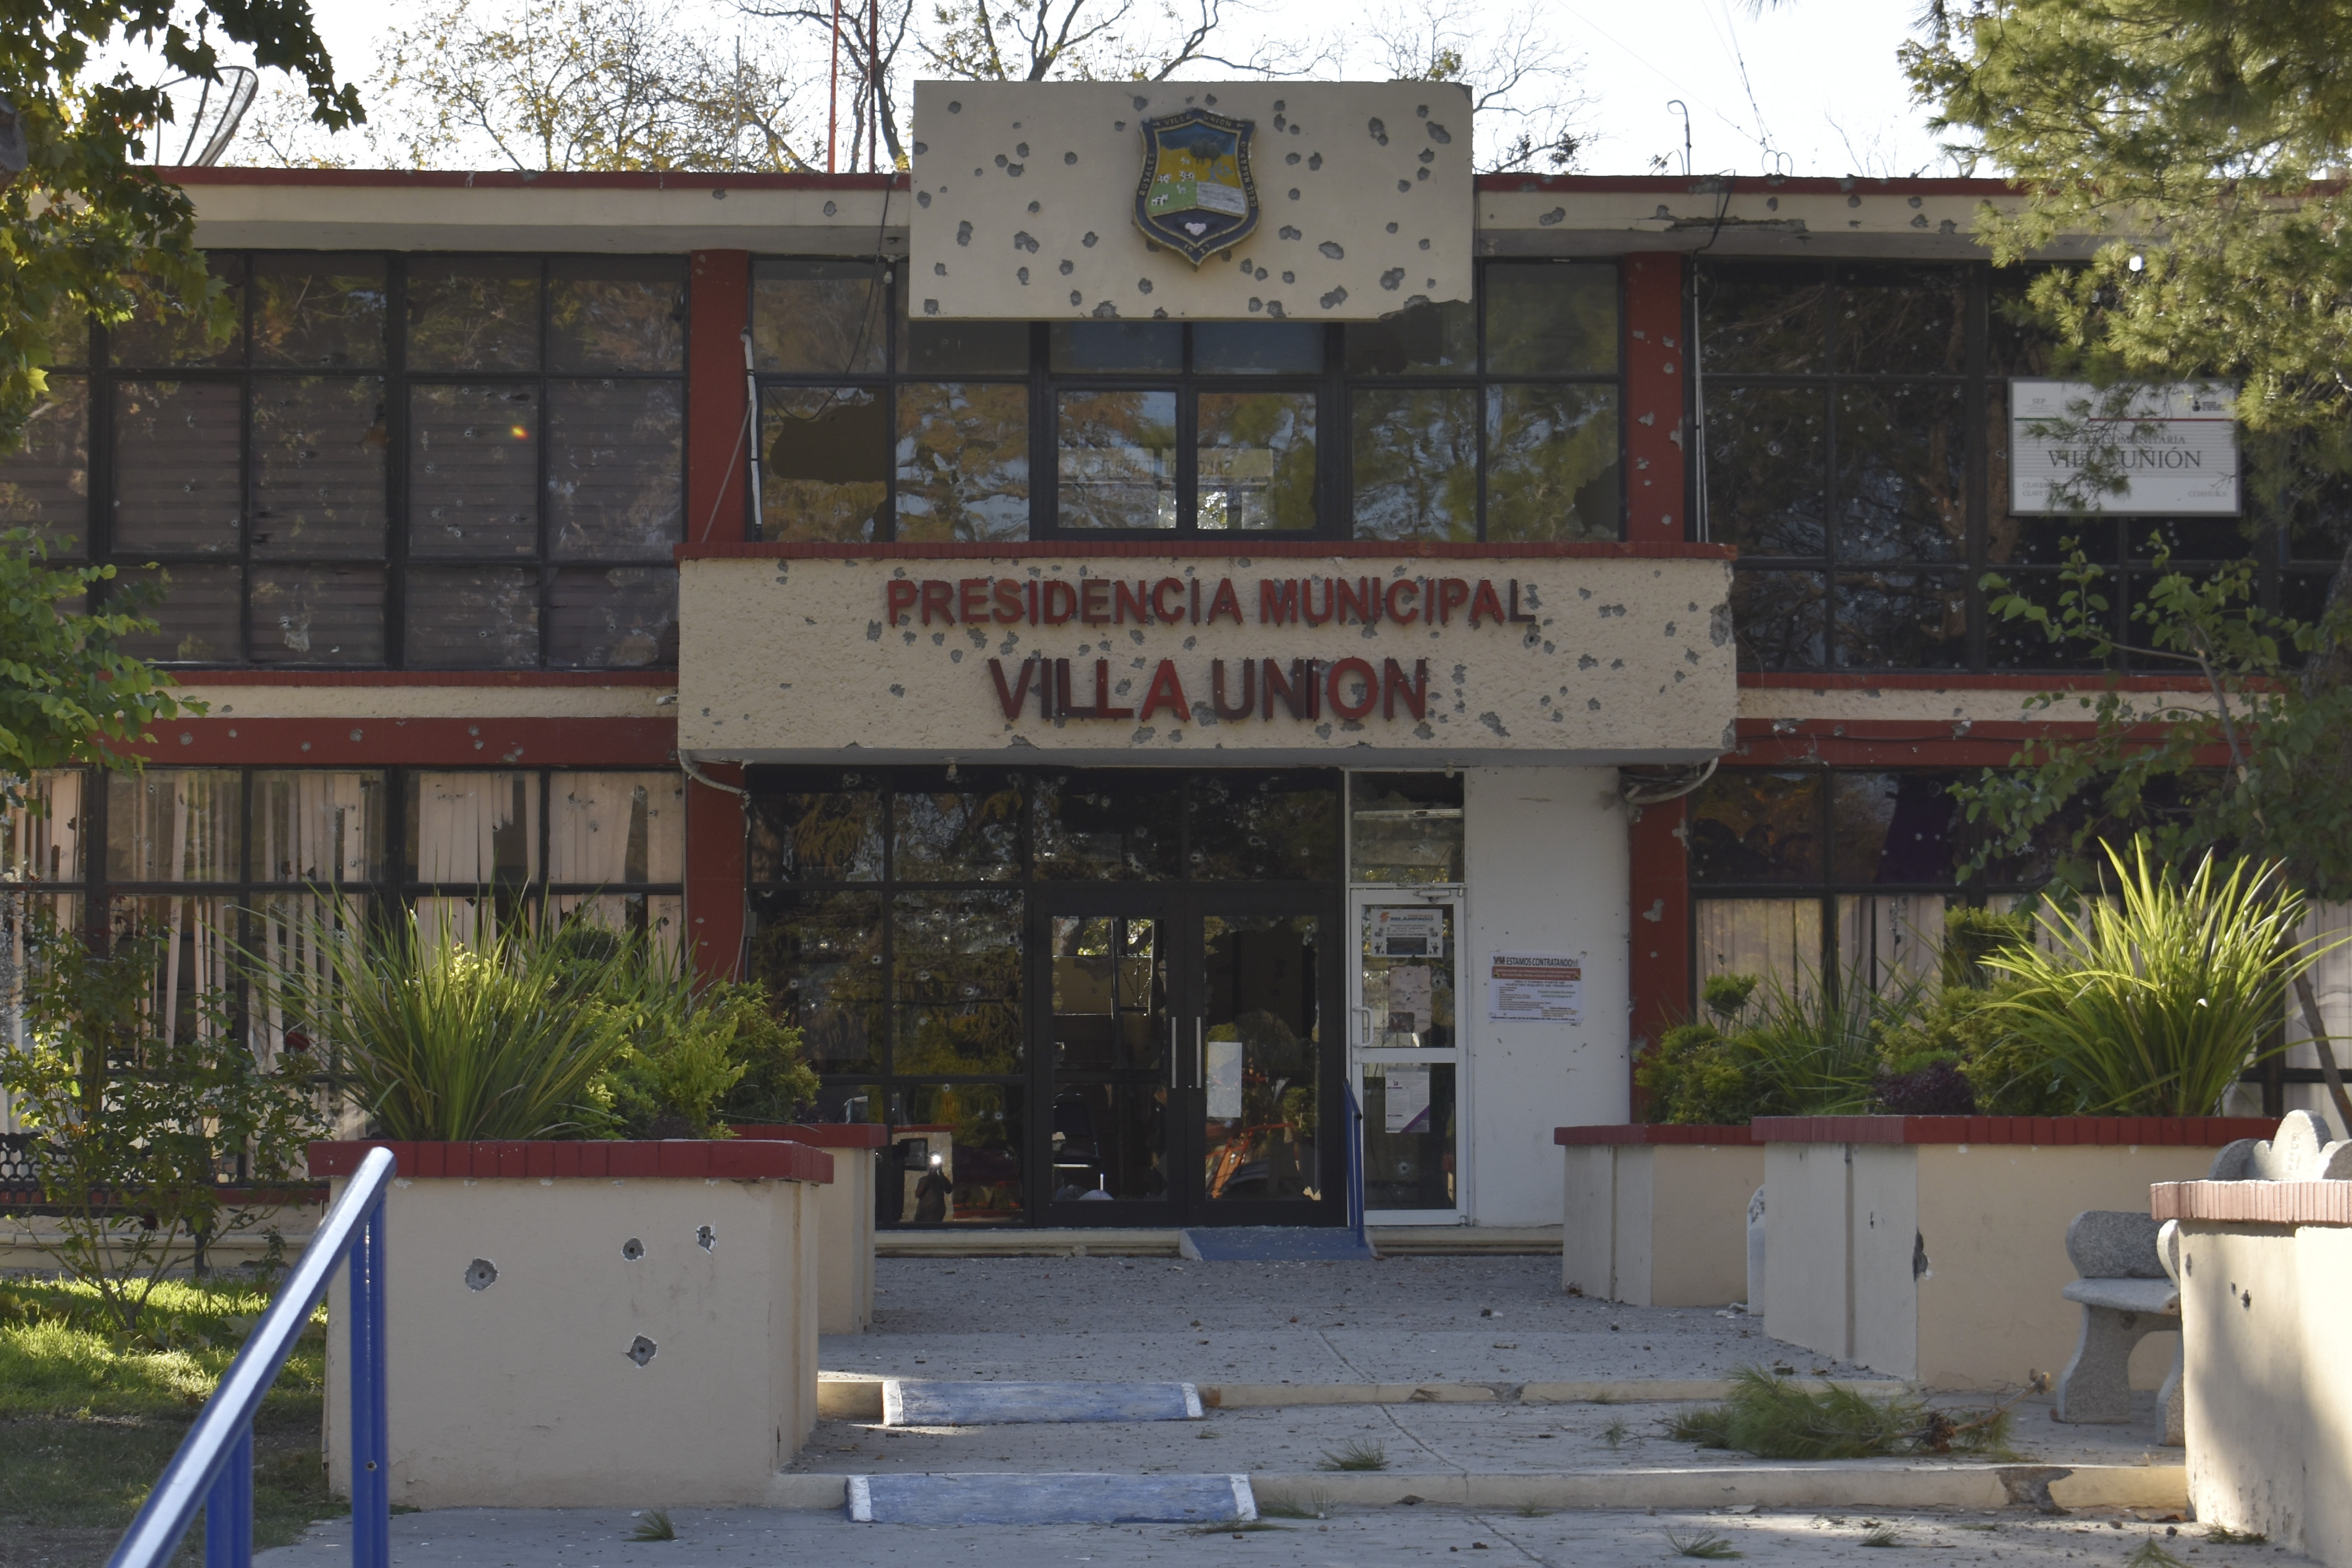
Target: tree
66, 686
1519, 76
85, 227
2183, 138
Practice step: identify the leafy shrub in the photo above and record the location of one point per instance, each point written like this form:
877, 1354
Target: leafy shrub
1772, 1049
1775, 1419
699, 1054
2153, 1001
1935, 1086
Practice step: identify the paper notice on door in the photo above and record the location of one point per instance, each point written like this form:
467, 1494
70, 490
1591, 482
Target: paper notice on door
1405, 932
1408, 999
1535, 987
1407, 1100
1221, 1071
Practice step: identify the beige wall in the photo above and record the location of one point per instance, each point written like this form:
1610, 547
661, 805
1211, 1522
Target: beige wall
522, 1394
1943, 1263
1025, 196
2267, 1400
1659, 1225
844, 1228
793, 660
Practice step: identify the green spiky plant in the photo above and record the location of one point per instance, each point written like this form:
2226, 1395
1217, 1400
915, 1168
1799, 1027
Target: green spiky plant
1774, 1418
2153, 1000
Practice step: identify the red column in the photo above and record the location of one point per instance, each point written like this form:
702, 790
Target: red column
1660, 884
718, 308
1655, 335
715, 872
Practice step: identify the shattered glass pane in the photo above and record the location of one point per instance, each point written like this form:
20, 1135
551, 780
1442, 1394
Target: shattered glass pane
481, 618
825, 458
319, 445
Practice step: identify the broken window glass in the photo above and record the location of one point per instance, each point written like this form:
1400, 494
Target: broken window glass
820, 317
825, 457
1435, 338
201, 620
1416, 463
623, 617
158, 335
473, 829
318, 448
1552, 467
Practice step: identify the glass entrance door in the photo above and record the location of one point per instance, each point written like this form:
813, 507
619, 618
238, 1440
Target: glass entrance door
1182, 1052
1406, 1055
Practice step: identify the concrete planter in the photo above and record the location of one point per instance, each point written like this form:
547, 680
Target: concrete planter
845, 1217
1657, 1216
607, 1324
1934, 1248
2264, 1268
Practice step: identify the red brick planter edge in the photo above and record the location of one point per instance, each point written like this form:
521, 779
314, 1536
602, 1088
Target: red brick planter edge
710, 1159
1651, 1132
2061, 1132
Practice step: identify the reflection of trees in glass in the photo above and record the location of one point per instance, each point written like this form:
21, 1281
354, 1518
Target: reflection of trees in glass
820, 957
963, 461
957, 985
1902, 620
614, 451
1549, 318
1769, 317
1416, 462
1257, 460
475, 315
319, 447
319, 310
834, 836
1749, 825
986, 1124
1265, 830
957, 836
819, 317
624, 314
44, 483
1767, 462
1551, 462
1899, 318
1117, 459
1903, 473
1777, 618
823, 474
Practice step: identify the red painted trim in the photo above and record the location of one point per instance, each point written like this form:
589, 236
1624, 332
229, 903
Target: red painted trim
1659, 960
825, 1134
718, 446
1653, 400
1887, 743
520, 180
1964, 683
1228, 550
2159, 1132
541, 679
692, 1159
716, 872
1759, 184
416, 742
1650, 1133
2252, 1202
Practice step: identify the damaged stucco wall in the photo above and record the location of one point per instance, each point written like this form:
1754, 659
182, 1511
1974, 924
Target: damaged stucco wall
1025, 197
1621, 657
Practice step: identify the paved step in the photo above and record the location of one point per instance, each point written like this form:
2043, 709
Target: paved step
1272, 1244
863, 1399
908, 1402
1067, 1499
1148, 1241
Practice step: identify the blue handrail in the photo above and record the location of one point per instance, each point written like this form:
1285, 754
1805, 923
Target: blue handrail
214, 1469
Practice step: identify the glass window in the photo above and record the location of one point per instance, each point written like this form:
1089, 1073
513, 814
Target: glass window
616, 828
963, 348
1764, 318
825, 470
316, 827
962, 1148
820, 317
176, 469
1767, 459
158, 336
176, 824
1110, 827
44, 482
478, 618
964, 831
200, 622
1892, 619
616, 313
1117, 459
1748, 826
473, 829
1895, 319
473, 467
1903, 491
1265, 827
1405, 828
1255, 459
318, 451
1551, 319
820, 955
1136, 348
473, 314
956, 982
1416, 464
1420, 339
962, 462
616, 453
315, 615
314, 310
834, 835
1552, 465
1258, 348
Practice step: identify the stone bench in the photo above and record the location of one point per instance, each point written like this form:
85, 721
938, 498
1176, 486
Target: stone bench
2126, 1295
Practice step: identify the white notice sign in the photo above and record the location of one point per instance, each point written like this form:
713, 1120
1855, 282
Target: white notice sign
1408, 999
1406, 1101
1535, 987
2174, 447
1416, 933
1220, 1072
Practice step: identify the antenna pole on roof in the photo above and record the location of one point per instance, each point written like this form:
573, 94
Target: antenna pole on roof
833, 92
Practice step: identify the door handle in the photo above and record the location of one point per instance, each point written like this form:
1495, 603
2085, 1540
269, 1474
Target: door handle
1199, 1049
1174, 1072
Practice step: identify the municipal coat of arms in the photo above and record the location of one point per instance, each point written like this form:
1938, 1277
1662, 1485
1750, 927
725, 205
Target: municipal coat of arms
1197, 194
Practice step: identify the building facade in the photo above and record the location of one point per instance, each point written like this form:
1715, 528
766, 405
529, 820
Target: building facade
1127, 706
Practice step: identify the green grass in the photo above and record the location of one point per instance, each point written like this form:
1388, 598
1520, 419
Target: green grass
2222, 1535
1356, 1457
1316, 1506
89, 1417
2149, 1554
1775, 1419
655, 1526
1883, 1537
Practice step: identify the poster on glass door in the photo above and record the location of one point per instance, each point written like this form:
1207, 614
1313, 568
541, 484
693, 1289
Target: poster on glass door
1405, 933
1405, 1102
1536, 987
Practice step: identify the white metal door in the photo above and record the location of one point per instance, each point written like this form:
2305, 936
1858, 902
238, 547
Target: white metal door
1405, 1052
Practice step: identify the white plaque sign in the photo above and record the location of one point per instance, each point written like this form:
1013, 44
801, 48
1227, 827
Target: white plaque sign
2175, 448
1536, 987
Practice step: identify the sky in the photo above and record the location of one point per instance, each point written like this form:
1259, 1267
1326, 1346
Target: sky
1808, 86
